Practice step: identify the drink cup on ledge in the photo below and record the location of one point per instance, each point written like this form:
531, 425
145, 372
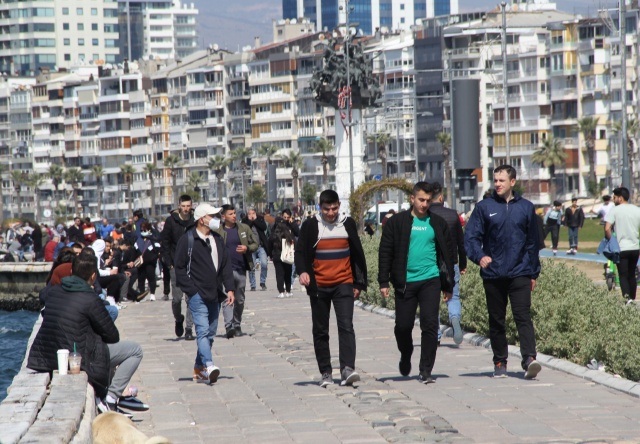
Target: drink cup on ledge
75, 360
63, 361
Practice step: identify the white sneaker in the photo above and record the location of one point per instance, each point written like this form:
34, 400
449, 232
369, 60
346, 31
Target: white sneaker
280, 296
213, 372
152, 297
288, 295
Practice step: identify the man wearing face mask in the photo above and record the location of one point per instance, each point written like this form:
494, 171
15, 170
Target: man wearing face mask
202, 267
240, 242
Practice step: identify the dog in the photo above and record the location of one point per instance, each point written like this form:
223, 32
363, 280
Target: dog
114, 428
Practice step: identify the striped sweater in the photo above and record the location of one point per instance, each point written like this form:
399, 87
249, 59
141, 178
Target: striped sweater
332, 263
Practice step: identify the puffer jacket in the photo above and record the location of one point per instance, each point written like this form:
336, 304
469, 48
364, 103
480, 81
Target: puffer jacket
174, 229
507, 232
73, 314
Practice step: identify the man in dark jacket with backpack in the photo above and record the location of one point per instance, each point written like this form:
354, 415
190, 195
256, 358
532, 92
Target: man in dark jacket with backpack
178, 223
202, 267
417, 255
502, 237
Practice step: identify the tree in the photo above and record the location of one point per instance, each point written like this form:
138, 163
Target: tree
444, 139
35, 181
256, 195
240, 155
633, 131
74, 177
308, 193
128, 171
18, 178
550, 155
268, 151
294, 160
382, 140
173, 162
150, 169
587, 126
193, 189
56, 174
97, 172
324, 146
218, 164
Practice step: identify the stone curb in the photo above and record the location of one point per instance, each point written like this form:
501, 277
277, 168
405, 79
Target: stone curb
602, 378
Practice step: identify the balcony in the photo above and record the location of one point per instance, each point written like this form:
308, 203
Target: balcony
88, 116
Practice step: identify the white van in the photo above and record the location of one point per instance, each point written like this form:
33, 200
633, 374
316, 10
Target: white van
383, 209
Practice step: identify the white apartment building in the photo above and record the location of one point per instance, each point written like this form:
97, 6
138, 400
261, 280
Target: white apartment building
56, 33
158, 29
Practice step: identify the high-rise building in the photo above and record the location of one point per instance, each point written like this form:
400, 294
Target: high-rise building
369, 14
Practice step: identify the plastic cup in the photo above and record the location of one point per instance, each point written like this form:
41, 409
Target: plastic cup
63, 361
75, 360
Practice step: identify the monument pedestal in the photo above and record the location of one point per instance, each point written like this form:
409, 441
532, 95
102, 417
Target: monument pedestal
343, 172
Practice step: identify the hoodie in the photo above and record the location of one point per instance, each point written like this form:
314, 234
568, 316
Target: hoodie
98, 247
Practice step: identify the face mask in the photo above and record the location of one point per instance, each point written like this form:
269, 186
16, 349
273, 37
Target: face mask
145, 233
214, 224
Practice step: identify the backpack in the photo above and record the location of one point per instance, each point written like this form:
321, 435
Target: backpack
288, 252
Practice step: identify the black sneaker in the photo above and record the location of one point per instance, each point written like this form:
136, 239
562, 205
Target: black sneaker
532, 368
263, 287
252, 289
188, 335
132, 403
142, 295
500, 370
231, 332
179, 327
425, 378
239, 332
165, 297
405, 366
349, 376
105, 406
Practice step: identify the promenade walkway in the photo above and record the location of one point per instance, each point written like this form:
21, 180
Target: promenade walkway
268, 392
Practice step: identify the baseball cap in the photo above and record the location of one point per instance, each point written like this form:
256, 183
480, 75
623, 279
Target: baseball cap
203, 209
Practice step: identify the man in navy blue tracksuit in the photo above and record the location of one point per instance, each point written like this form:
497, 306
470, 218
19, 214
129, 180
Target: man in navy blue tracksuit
502, 237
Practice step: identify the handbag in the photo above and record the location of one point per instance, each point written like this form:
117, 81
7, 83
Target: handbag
287, 253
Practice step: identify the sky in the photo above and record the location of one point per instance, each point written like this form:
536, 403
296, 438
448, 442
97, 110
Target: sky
233, 24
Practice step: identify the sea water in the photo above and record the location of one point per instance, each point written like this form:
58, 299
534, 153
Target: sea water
15, 329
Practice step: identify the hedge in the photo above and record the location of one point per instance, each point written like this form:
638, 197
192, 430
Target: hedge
574, 318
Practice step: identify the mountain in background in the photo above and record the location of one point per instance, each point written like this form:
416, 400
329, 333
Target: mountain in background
234, 24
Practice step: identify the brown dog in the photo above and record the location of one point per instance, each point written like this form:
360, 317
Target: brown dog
114, 428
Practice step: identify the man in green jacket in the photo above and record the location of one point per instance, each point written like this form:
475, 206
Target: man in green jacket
240, 242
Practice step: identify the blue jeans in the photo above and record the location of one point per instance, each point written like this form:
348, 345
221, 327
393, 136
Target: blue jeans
453, 305
205, 320
573, 237
261, 255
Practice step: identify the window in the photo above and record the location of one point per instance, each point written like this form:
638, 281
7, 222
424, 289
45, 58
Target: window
402, 6
94, 26
67, 57
80, 42
67, 42
65, 26
94, 11
401, 19
79, 11
94, 42
80, 26
81, 57
65, 11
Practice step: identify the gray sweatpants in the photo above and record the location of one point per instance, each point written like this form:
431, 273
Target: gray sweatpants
233, 314
125, 356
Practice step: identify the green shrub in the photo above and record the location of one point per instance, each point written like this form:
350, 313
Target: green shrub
574, 319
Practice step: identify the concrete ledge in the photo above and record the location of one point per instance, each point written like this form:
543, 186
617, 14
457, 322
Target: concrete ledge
18, 411
20, 283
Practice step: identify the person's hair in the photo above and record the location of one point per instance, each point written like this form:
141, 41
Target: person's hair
511, 171
65, 256
436, 190
252, 209
487, 194
117, 226
84, 266
108, 240
575, 199
622, 192
328, 197
422, 186
227, 207
77, 218
282, 231
87, 220
606, 198
287, 211
145, 226
185, 198
138, 214
127, 242
128, 227
78, 245
556, 203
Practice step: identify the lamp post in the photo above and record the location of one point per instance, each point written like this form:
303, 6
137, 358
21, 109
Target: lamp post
452, 156
626, 179
505, 87
347, 10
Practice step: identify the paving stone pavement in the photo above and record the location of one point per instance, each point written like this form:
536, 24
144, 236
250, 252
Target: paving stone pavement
268, 388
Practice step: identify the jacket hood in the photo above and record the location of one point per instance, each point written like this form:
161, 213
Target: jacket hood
176, 217
98, 246
321, 222
75, 284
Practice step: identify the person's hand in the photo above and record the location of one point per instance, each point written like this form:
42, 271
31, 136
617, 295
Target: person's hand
385, 292
230, 298
130, 265
113, 271
252, 217
485, 261
127, 273
447, 296
463, 271
356, 293
533, 284
241, 249
305, 279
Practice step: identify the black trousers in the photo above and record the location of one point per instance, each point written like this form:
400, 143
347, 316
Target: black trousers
425, 294
113, 283
555, 232
498, 293
342, 298
627, 273
283, 276
147, 272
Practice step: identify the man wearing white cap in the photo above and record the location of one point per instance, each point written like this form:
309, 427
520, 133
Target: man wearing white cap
202, 267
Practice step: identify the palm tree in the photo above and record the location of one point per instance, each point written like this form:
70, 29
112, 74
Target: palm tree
268, 151
97, 172
294, 160
587, 126
444, 139
550, 155
173, 162
150, 169
193, 189
18, 178
56, 173
128, 171
218, 164
36, 180
74, 176
241, 154
382, 140
323, 146
633, 130
3, 169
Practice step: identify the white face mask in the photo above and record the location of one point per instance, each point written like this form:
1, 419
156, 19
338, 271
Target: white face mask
145, 233
214, 224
